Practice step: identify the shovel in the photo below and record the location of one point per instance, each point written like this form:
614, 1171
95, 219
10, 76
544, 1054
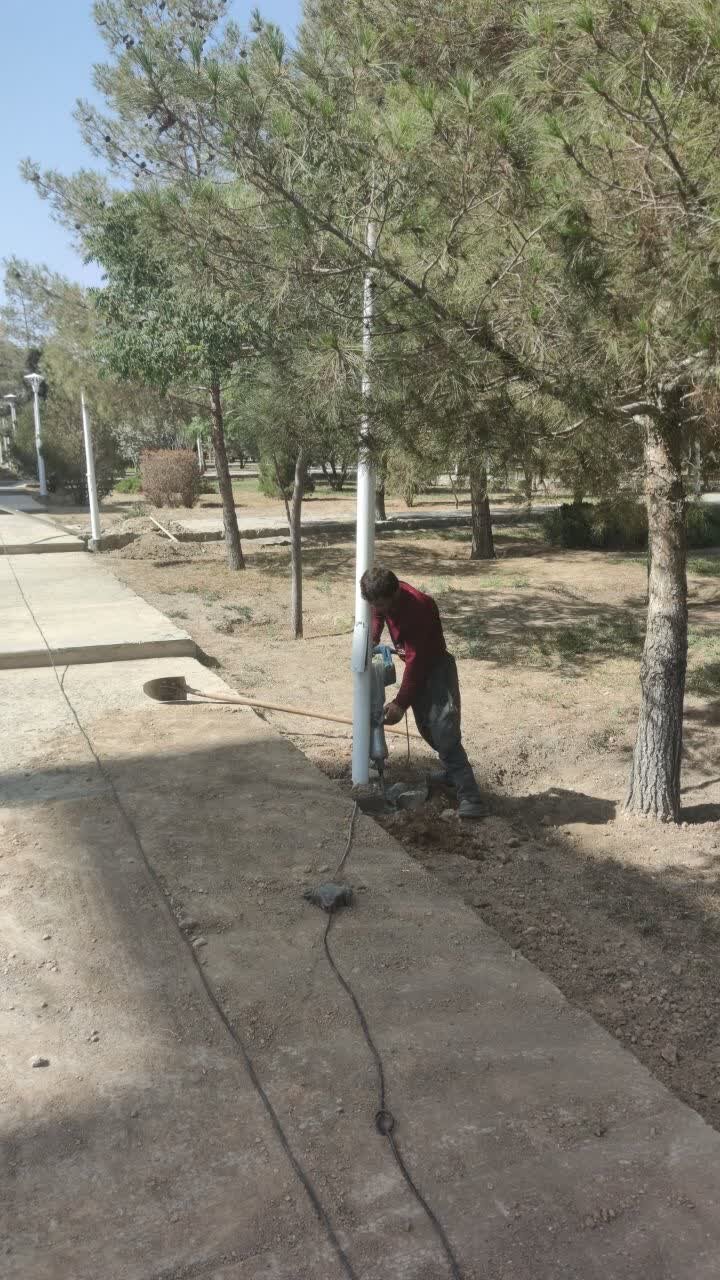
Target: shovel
177, 689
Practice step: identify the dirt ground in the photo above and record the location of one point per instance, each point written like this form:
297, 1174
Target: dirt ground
622, 915
130, 512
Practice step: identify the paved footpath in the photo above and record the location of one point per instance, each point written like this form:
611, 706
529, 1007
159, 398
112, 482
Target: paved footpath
143, 1151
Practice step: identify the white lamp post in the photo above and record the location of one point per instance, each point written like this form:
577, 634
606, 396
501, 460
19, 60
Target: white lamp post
35, 379
90, 471
11, 399
364, 554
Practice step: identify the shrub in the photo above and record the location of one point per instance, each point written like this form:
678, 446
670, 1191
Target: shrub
703, 525
170, 477
64, 449
611, 526
621, 525
267, 478
129, 483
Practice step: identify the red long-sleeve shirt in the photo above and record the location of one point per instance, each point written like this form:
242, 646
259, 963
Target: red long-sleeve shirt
415, 627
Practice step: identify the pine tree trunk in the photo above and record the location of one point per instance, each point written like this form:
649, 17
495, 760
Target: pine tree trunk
528, 478
233, 545
380, 512
655, 779
698, 472
295, 522
380, 478
483, 546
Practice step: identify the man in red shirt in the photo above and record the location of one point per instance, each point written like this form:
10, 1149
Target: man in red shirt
430, 683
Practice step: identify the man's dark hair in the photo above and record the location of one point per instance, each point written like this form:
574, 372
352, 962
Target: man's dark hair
378, 584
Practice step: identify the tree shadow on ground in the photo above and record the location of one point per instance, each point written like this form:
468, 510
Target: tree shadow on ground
546, 627
558, 805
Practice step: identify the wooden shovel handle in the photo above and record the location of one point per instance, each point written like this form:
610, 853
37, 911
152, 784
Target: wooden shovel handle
290, 711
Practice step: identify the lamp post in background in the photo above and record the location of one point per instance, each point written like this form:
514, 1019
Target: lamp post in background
7, 436
35, 379
11, 399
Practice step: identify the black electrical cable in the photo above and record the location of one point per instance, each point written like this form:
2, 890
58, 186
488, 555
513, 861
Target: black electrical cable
313, 1196
385, 1122
384, 1119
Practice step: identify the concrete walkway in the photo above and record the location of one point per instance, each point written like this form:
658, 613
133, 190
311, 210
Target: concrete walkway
86, 615
24, 530
141, 1151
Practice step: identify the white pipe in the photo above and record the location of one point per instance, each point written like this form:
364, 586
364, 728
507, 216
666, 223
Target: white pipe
201, 458
34, 380
364, 552
90, 470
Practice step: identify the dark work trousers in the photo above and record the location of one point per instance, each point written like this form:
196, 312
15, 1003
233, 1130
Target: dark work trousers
437, 715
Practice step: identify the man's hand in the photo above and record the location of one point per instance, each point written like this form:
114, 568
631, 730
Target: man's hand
393, 713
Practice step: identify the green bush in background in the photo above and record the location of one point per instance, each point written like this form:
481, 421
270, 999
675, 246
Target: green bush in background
267, 477
621, 525
129, 483
64, 449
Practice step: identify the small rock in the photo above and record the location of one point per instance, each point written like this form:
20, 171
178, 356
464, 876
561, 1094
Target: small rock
480, 902
38, 1061
513, 843
44, 1004
47, 937
134, 1114
447, 815
670, 1054
188, 924
199, 941
322, 870
504, 858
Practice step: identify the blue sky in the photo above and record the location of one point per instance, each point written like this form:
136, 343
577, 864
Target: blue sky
49, 47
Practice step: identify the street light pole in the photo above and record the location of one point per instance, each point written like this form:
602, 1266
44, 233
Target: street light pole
11, 398
35, 379
90, 470
364, 549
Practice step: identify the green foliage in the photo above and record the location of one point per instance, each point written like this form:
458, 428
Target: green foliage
285, 469
408, 474
64, 450
616, 526
130, 483
622, 526
703, 525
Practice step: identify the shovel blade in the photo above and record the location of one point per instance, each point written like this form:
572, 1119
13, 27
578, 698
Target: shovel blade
167, 689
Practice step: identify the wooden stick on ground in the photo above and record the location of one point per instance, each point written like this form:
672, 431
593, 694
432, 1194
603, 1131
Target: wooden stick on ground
162, 529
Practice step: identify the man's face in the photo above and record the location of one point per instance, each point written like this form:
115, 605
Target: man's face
384, 604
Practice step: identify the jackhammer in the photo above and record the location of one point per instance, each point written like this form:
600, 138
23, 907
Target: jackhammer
382, 674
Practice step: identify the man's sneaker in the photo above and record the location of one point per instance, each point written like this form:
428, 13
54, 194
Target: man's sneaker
472, 809
439, 778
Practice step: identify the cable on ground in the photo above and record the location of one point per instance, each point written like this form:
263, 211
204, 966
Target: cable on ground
313, 1196
385, 1122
